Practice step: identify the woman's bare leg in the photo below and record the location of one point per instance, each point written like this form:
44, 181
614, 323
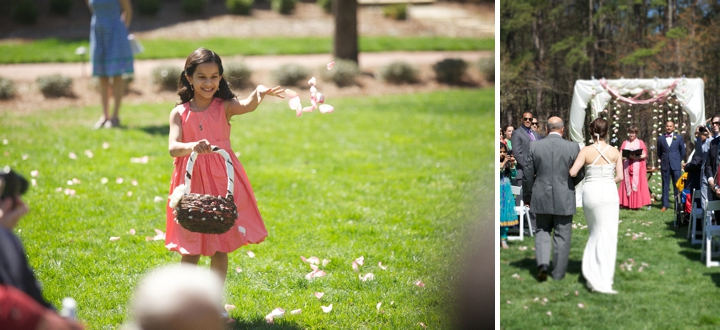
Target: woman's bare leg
219, 263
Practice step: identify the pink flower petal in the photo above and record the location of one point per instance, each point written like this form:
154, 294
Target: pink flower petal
105, 145
229, 307
422, 325
320, 273
360, 260
330, 65
325, 262
319, 294
312, 81
420, 284
72, 155
326, 309
326, 108
132, 231
549, 313
114, 239
308, 109
378, 305
250, 254
381, 266
320, 97
314, 267
278, 313
238, 269
295, 311
355, 267
313, 260
158, 199
89, 153
367, 277
34, 173
119, 180
581, 305
576, 293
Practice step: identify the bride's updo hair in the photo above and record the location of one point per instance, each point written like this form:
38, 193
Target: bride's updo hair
598, 127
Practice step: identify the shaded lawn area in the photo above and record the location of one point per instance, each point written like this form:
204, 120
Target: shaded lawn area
666, 285
396, 179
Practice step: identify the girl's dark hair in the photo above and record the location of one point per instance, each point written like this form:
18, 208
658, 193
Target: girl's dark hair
14, 184
633, 129
504, 128
197, 57
598, 126
503, 146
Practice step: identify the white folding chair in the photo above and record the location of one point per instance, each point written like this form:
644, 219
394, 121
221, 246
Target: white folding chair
696, 213
710, 249
523, 215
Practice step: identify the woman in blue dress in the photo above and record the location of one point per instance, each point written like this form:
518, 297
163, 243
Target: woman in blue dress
508, 216
110, 52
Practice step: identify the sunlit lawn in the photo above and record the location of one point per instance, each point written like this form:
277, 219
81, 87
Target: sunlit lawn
394, 179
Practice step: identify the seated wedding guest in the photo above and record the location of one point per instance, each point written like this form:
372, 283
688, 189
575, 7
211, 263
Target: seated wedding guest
22, 305
633, 189
179, 297
694, 166
506, 136
711, 164
508, 216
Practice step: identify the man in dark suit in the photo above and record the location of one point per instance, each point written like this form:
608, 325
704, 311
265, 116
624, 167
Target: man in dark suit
550, 191
521, 139
671, 150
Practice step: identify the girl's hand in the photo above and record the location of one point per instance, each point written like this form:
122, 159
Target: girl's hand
275, 91
202, 147
11, 210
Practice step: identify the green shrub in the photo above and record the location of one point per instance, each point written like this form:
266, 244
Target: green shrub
7, 88
61, 7
25, 12
237, 74
166, 76
342, 74
193, 7
240, 7
450, 70
148, 7
326, 5
290, 74
55, 85
486, 66
284, 7
398, 73
395, 11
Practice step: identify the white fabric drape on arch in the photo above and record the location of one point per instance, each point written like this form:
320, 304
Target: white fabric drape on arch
689, 91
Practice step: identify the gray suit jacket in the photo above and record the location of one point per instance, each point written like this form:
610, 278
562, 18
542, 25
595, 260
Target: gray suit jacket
547, 183
520, 146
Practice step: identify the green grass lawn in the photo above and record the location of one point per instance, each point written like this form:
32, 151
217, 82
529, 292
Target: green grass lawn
57, 50
667, 286
395, 179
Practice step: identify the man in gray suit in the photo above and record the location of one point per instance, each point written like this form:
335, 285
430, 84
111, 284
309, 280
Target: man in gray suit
550, 191
521, 139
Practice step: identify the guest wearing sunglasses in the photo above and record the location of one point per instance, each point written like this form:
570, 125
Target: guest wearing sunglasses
711, 165
521, 139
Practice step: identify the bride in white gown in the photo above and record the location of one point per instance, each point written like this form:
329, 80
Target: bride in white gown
601, 206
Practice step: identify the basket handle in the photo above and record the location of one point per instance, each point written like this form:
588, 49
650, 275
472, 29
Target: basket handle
228, 165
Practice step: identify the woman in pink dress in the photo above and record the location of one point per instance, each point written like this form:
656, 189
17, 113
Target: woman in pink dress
633, 190
202, 120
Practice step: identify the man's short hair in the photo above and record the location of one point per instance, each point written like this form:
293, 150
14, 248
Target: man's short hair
554, 126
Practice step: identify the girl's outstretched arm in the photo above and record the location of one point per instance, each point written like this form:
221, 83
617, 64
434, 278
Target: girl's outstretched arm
178, 148
235, 107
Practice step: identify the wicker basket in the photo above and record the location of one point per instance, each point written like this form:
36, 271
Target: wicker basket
205, 213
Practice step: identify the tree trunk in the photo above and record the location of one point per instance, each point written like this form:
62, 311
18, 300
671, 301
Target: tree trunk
346, 36
539, 54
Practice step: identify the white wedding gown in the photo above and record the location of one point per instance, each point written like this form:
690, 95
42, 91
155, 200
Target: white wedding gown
602, 211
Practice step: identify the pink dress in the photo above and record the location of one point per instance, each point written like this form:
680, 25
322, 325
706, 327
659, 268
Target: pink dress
210, 177
633, 190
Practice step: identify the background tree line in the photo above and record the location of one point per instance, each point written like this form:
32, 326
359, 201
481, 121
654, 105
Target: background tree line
546, 45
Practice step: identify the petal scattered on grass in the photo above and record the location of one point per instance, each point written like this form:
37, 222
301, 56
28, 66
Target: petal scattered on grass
576, 293
33, 182
420, 283
319, 294
105, 145
140, 160
69, 192
311, 260
378, 305
325, 262
159, 235
326, 309
509, 302
422, 325
522, 248
89, 153
355, 267
34, 173
104, 180
549, 313
581, 305
330, 65
119, 180
250, 254
360, 260
72, 155
367, 277
238, 269
229, 307
158, 199
295, 311
5, 141
381, 266
114, 239
515, 276
129, 193
132, 231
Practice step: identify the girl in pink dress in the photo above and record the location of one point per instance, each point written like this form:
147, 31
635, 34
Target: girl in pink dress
202, 120
633, 190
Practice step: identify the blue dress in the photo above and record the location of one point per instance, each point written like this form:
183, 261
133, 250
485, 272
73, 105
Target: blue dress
508, 216
110, 52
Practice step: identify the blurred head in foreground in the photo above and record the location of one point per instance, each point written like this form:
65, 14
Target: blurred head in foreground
181, 297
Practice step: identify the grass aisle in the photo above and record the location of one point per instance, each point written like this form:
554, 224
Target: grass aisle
393, 178
661, 281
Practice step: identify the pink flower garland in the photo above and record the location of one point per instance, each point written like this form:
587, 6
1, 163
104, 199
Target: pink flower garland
634, 100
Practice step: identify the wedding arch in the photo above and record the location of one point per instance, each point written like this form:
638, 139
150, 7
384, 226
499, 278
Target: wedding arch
595, 95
